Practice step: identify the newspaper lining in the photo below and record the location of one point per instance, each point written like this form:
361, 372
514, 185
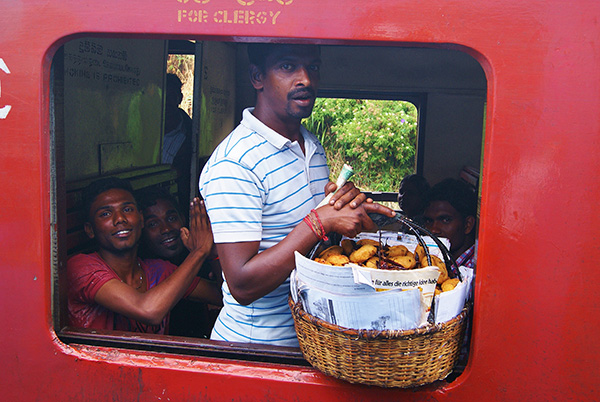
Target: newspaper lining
364, 298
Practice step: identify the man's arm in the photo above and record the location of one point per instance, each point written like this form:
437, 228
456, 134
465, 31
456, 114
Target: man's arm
207, 292
251, 275
153, 305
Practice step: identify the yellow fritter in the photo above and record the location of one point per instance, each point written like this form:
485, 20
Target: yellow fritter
420, 252
371, 242
372, 262
338, 260
396, 251
437, 262
363, 254
449, 284
330, 251
406, 261
347, 246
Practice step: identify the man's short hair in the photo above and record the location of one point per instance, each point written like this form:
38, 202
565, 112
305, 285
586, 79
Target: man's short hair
418, 181
148, 197
457, 193
97, 187
258, 52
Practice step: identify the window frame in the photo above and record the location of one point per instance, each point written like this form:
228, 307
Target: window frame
177, 345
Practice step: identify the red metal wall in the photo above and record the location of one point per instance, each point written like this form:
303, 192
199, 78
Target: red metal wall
535, 331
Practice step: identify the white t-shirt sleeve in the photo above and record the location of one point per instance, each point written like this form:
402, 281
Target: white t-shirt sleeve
234, 198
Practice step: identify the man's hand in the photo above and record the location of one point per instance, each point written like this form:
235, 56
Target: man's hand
350, 221
348, 194
199, 237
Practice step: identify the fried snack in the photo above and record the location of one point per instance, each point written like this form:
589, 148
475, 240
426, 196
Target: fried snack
347, 246
322, 261
422, 257
449, 284
372, 262
406, 261
330, 251
363, 254
437, 262
363, 242
338, 260
396, 251
437, 291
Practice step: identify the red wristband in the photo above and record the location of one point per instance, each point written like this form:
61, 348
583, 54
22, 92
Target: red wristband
310, 225
320, 225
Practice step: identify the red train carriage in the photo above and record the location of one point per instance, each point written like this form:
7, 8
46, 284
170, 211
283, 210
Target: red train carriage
511, 88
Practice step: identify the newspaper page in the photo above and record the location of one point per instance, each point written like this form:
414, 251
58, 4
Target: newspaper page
332, 292
389, 310
337, 280
423, 279
365, 298
449, 304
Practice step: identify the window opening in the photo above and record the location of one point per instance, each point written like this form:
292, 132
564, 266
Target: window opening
365, 133
182, 65
423, 120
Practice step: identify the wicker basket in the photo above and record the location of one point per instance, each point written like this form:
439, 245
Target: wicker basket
404, 359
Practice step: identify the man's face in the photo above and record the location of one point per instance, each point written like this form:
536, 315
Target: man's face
443, 220
173, 97
115, 221
290, 80
161, 229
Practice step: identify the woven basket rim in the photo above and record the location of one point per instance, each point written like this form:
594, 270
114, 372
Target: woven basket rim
373, 333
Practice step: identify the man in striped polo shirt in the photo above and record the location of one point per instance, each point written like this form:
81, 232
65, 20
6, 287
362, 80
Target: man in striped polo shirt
260, 183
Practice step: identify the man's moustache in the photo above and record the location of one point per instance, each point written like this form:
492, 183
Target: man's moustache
302, 92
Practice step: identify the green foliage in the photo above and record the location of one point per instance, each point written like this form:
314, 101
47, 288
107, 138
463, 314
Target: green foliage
182, 65
377, 138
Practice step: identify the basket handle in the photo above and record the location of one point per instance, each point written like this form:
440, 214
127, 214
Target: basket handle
382, 220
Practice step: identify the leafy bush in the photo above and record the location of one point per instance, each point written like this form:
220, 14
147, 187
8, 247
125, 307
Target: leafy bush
376, 137
182, 65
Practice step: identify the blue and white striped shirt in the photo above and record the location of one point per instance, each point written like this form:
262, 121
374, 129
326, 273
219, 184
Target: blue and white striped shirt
257, 186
